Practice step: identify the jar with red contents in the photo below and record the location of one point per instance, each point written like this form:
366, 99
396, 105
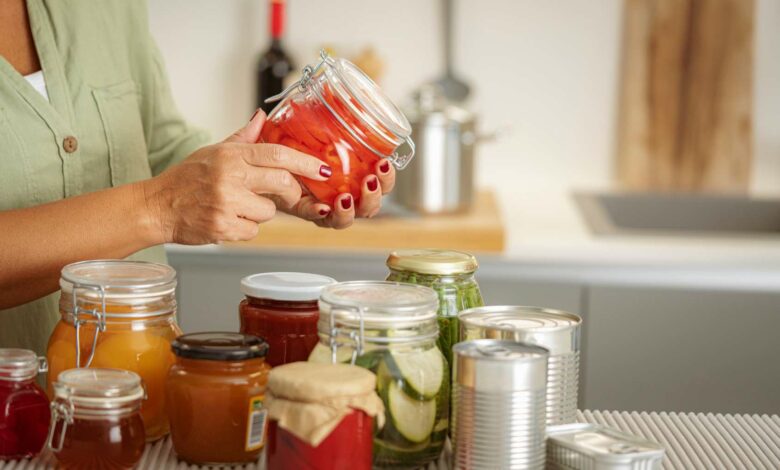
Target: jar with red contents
339, 115
24, 408
282, 309
321, 417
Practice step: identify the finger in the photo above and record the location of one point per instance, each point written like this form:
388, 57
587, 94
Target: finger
250, 133
309, 208
244, 230
343, 213
257, 209
371, 198
275, 182
386, 174
286, 158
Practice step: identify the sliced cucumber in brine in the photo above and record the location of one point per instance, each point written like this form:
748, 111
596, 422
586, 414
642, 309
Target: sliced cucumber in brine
423, 371
414, 419
322, 354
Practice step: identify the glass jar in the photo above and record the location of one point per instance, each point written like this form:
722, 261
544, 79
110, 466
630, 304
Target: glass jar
390, 329
451, 275
118, 314
24, 408
215, 392
300, 395
339, 115
282, 309
96, 420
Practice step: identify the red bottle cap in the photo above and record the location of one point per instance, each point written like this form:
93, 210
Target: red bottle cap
277, 18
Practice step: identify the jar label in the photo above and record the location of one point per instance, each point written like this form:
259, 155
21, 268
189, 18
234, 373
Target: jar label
255, 433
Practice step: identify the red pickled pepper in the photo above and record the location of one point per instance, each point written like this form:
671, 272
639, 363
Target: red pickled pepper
308, 126
24, 419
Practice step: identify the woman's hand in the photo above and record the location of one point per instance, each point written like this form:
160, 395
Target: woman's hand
223, 191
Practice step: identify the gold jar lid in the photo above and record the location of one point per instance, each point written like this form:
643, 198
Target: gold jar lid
430, 261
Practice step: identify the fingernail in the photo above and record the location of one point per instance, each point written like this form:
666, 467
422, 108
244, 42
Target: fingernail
384, 167
254, 115
372, 184
326, 171
324, 212
346, 203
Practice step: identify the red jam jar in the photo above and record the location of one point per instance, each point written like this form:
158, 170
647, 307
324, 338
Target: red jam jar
339, 115
282, 309
24, 407
96, 419
321, 417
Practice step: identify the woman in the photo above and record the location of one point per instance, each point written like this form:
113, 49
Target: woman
95, 162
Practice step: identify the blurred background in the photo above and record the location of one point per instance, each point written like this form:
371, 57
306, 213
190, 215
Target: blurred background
624, 158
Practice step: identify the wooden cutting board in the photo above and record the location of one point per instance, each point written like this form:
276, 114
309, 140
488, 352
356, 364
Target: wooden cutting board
686, 101
479, 231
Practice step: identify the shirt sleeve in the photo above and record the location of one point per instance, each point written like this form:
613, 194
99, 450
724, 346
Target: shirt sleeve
169, 138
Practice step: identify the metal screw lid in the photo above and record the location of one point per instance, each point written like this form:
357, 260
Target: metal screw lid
430, 261
499, 366
219, 346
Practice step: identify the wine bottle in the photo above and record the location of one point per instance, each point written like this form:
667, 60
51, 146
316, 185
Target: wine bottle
275, 65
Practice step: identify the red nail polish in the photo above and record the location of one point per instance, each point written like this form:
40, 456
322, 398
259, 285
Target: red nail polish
324, 212
254, 115
384, 167
346, 203
372, 184
326, 171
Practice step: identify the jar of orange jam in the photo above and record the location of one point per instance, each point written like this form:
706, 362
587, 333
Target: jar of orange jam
339, 115
96, 420
215, 392
118, 314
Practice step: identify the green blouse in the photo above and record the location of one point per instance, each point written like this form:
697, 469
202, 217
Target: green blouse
110, 120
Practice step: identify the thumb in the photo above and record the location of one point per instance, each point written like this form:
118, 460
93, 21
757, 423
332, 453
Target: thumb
250, 133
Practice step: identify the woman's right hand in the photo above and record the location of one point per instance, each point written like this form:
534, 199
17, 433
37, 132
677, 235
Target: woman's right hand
223, 191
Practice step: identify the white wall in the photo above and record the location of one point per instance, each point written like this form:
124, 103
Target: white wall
548, 70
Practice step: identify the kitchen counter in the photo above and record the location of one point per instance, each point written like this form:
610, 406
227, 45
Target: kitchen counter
692, 441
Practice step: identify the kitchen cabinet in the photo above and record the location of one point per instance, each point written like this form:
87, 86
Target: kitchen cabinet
692, 350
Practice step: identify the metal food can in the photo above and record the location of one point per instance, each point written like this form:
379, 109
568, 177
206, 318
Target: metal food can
498, 405
585, 446
555, 330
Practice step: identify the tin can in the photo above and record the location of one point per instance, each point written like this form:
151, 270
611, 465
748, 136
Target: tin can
499, 405
554, 330
586, 446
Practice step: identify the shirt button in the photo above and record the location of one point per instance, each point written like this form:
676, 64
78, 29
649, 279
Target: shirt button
70, 144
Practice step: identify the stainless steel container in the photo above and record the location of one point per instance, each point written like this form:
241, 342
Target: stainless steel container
586, 446
440, 179
554, 330
498, 405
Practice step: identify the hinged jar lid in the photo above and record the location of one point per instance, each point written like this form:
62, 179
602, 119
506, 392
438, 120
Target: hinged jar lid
20, 364
219, 346
120, 281
285, 286
380, 305
430, 261
313, 382
99, 388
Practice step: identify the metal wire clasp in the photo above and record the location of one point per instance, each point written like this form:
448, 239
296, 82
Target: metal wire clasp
303, 83
63, 410
98, 315
356, 338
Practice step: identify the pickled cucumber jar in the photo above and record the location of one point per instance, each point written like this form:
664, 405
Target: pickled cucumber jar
451, 275
118, 314
390, 329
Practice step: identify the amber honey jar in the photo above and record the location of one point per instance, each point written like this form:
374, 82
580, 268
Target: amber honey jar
96, 420
216, 392
118, 314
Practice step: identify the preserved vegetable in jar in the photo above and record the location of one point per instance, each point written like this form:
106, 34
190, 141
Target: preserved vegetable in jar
339, 115
118, 314
282, 309
451, 275
216, 392
96, 420
321, 417
24, 408
390, 329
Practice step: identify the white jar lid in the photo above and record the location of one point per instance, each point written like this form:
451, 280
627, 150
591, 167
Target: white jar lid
296, 287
